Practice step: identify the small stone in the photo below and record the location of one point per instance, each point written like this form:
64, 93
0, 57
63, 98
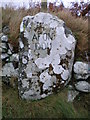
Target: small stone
6, 30
4, 56
72, 94
43, 95
7, 59
14, 57
9, 52
21, 44
4, 38
81, 70
83, 86
62, 82
10, 46
3, 45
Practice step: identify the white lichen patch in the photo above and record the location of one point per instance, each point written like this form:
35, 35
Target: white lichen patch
24, 60
50, 55
81, 70
42, 63
58, 69
65, 75
28, 71
45, 77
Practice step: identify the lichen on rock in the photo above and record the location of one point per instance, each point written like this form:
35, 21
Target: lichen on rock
81, 70
47, 65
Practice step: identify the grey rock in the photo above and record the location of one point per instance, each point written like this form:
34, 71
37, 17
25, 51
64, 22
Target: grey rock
21, 44
8, 70
50, 53
72, 93
3, 45
9, 52
10, 47
4, 56
83, 86
6, 30
14, 57
4, 38
81, 70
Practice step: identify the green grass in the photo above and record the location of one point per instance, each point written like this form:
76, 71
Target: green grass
54, 106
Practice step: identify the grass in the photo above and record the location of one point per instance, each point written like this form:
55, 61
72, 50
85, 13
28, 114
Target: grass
54, 106
79, 28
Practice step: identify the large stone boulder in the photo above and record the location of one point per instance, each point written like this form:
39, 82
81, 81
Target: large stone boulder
46, 55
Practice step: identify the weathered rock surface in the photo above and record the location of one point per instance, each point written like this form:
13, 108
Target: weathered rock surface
14, 57
6, 30
46, 55
83, 86
72, 93
4, 38
5, 50
8, 70
81, 70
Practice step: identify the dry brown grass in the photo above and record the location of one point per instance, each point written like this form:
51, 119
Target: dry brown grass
79, 26
14, 25
75, 24
13, 18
